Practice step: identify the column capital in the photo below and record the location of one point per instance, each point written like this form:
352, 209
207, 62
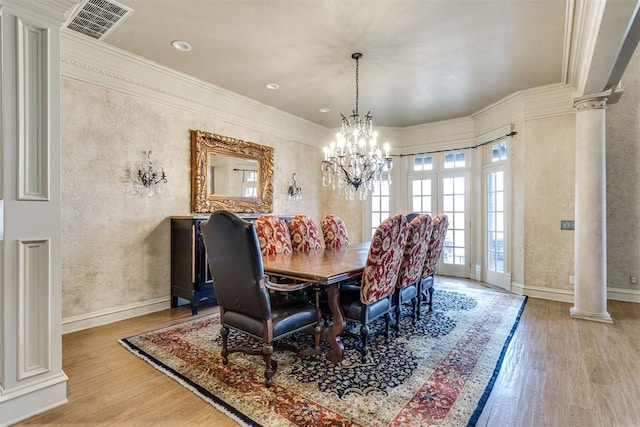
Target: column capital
592, 102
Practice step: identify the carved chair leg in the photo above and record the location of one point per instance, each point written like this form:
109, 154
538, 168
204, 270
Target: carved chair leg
364, 337
398, 311
431, 298
224, 332
270, 365
415, 309
387, 324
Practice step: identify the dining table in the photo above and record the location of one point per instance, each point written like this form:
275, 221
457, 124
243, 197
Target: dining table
324, 267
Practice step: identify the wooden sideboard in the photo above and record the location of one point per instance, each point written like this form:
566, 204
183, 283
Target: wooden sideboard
191, 279
190, 276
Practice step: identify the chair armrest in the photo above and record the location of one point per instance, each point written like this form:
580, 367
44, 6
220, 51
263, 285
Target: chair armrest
285, 287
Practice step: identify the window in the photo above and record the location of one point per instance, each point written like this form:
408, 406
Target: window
453, 204
421, 197
495, 221
380, 204
249, 183
423, 163
454, 160
499, 151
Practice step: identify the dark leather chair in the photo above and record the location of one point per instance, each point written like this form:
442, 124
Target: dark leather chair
243, 292
436, 243
414, 255
372, 299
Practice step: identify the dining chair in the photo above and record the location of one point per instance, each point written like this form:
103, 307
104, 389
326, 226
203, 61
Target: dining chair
414, 255
334, 232
436, 243
304, 234
242, 290
372, 299
273, 235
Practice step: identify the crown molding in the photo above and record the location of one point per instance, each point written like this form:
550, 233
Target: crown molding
103, 65
587, 16
444, 133
55, 12
97, 63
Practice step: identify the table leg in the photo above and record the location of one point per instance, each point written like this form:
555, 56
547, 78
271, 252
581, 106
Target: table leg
336, 348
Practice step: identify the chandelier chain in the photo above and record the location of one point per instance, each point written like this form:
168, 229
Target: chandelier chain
354, 162
357, 83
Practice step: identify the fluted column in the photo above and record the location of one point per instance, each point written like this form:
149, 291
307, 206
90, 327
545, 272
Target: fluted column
590, 297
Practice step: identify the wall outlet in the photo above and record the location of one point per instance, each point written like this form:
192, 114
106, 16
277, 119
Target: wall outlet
572, 279
633, 280
567, 225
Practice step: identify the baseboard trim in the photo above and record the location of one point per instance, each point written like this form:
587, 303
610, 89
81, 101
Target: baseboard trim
103, 317
627, 295
564, 295
20, 404
553, 294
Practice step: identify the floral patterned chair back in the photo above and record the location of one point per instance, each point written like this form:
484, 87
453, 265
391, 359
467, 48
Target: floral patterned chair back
415, 250
383, 263
440, 226
273, 235
304, 234
335, 232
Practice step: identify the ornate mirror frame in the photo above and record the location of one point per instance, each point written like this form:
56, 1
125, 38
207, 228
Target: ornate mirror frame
202, 145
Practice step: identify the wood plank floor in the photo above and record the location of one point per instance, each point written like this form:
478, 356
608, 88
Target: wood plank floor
558, 371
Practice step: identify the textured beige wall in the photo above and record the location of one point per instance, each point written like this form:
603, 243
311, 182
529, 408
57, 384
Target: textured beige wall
548, 198
623, 181
115, 245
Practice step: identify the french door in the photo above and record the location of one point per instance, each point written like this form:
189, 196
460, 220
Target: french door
495, 226
454, 202
446, 192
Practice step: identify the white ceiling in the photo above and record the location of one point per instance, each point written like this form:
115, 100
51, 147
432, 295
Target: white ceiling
424, 60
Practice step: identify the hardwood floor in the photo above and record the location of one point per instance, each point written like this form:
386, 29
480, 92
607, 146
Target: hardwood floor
558, 371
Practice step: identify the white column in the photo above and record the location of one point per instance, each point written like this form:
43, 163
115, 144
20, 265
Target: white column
31, 376
590, 297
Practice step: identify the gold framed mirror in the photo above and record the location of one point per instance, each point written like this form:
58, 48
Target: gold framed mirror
231, 174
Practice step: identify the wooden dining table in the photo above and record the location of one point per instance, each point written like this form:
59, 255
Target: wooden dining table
326, 267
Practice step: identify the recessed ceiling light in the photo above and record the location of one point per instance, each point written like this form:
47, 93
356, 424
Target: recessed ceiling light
181, 46
272, 86
325, 109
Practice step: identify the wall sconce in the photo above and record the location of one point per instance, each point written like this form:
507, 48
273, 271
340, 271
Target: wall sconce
295, 191
148, 179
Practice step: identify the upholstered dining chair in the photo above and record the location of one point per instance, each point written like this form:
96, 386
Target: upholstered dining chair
304, 234
436, 243
334, 232
273, 235
410, 274
372, 299
242, 290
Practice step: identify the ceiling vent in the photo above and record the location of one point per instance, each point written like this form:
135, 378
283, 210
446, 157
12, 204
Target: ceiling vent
97, 18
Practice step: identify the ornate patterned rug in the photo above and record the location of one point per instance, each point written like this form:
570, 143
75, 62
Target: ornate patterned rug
439, 372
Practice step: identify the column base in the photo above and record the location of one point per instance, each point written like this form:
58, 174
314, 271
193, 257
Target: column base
596, 317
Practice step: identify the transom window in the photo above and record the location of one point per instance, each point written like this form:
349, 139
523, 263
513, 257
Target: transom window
454, 160
499, 151
424, 163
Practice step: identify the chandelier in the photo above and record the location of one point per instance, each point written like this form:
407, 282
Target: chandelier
354, 161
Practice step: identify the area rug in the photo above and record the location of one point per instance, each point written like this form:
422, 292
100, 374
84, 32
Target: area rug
438, 372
